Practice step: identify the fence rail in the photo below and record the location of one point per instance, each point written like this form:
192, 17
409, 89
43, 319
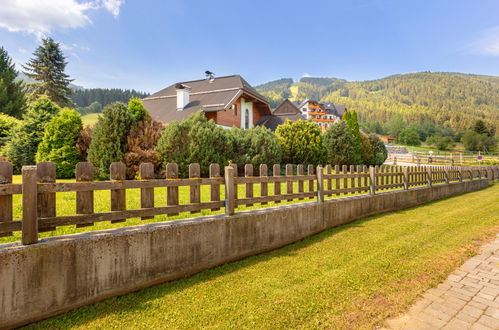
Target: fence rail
39, 189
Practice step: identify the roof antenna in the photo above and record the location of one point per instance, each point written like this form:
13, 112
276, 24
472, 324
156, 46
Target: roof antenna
209, 75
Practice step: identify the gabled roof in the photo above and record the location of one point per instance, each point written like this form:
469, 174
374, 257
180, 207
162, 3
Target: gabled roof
286, 108
206, 95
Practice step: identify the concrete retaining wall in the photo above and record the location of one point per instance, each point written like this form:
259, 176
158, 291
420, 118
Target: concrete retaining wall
61, 273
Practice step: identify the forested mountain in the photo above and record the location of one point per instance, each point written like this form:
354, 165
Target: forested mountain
105, 96
449, 99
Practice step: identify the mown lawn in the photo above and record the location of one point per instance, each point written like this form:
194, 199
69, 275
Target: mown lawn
353, 276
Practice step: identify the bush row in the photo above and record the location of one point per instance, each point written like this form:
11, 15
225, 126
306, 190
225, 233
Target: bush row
127, 133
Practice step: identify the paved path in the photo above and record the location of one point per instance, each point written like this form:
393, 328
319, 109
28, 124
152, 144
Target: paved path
468, 299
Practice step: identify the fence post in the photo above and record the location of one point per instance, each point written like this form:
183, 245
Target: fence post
320, 184
6, 171
248, 173
372, 176
264, 186
46, 201
146, 172
171, 173
429, 174
84, 199
117, 172
406, 178
276, 171
30, 205
195, 190
289, 184
230, 196
215, 188
446, 171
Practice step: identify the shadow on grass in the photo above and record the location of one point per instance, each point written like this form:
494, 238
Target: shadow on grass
138, 301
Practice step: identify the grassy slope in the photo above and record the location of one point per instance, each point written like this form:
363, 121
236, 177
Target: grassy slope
352, 276
90, 119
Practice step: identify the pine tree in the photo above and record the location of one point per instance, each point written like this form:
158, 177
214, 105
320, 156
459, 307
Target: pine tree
12, 93
47, 68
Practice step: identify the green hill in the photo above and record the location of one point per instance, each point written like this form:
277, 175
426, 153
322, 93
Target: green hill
455, 100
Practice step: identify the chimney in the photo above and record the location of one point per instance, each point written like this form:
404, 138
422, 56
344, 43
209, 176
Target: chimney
183, 92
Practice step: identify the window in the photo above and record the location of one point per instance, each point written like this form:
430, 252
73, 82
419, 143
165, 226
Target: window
246, 119
234, 109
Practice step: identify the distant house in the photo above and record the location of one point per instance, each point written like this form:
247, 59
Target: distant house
322, 114
286, 110
387, 139
229, 101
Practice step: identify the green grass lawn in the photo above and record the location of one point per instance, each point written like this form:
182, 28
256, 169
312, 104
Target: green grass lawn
90, 119
353, 276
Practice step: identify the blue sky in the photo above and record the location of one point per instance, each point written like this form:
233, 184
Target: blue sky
148, 45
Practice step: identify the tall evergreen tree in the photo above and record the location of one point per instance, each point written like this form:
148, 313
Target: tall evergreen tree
47, 68
353, 123
12, 92
109, 138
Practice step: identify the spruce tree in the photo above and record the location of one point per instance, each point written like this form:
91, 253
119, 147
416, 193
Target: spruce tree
47, 69
12, 92
109, 138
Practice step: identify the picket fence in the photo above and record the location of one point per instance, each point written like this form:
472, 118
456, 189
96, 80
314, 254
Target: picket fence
39, 188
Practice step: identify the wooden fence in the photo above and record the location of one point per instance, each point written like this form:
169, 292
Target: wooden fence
457, 159
39, 188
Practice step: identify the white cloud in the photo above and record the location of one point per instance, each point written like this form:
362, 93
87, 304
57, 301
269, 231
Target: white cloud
113, 6
487, 43
40, 17
306, 75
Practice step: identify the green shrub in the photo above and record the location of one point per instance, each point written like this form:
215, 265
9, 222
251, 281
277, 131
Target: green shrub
59, 142
380, 152
194, 140
373, 150
22, 148
257, 145
109, 138
301, 142
339, 144
7, 126
441, 142
137, 109
409, 136
474, 141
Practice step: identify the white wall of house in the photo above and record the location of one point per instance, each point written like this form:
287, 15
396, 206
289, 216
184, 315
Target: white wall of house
246, 106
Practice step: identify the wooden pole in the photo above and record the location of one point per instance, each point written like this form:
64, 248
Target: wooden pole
6, 171
230, 200
320, 184
372, 177
30, 209
146, 172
